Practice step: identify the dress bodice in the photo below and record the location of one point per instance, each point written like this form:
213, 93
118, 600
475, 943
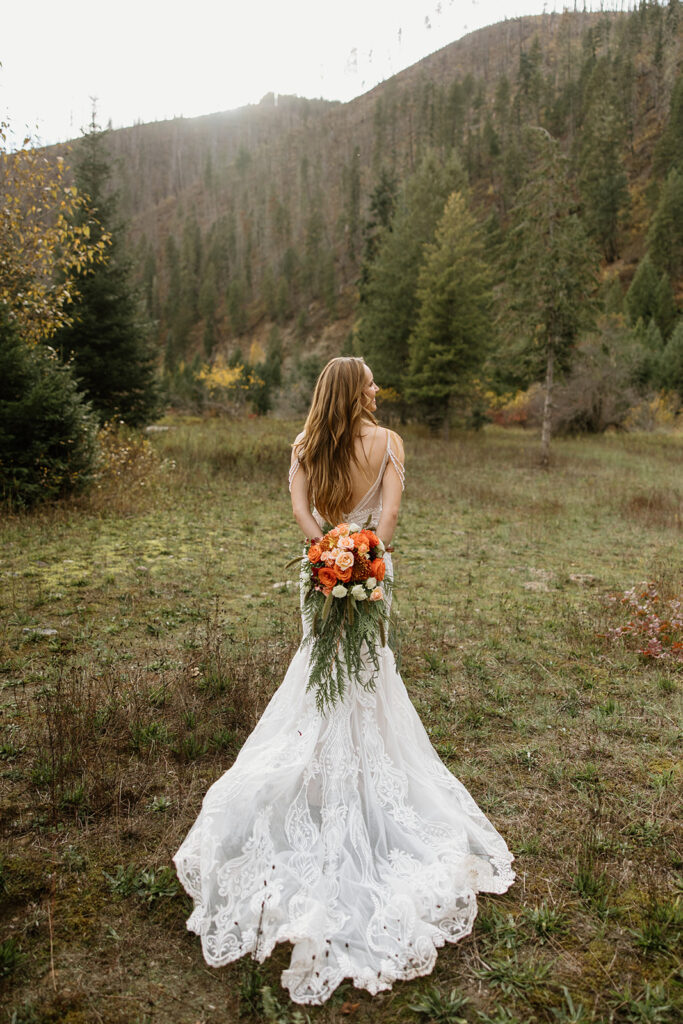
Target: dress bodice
370, 505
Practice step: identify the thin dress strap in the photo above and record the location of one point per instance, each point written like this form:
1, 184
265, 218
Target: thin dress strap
398, 465
292, 471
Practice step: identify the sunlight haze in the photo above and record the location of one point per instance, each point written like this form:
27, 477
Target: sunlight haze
151, 60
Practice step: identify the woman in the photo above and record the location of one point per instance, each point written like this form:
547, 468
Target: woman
341, 833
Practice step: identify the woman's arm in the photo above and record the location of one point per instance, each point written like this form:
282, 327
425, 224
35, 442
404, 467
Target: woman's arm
300, 501
392, 491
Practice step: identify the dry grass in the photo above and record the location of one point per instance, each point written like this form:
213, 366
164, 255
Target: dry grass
171, 635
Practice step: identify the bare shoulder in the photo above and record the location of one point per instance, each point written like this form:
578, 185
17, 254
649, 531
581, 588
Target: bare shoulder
295, 444
396, 442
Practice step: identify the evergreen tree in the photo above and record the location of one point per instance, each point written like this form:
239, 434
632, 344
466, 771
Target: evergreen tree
642, 299
646, 354
382, 206
604, 184
389, 305
670, 363
47, 429
553, 268
454, 322
666, 306
669, 149
109, 337
665, 236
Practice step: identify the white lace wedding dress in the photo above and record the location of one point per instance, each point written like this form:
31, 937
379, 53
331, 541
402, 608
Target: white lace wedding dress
345, 835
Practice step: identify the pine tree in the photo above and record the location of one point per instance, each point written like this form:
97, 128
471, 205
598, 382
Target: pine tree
604, 183
642, 300
109, 337
553, 268
670, 363
381, 211
454, 321
666, 306
389, 305
665, 236
47, 429
669, 149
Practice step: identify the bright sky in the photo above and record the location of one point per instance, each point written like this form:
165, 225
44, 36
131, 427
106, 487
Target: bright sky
147, 60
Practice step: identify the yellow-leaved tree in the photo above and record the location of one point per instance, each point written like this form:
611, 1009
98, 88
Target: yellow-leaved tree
43, 246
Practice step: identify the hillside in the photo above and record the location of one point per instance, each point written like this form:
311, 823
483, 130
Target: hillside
255, 217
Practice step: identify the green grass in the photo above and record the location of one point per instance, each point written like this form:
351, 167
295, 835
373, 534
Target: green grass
167, 591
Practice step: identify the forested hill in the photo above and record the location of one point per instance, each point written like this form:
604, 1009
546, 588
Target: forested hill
259, 216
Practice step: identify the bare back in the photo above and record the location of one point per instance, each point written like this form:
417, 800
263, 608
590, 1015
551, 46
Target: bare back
370, 450
377, 481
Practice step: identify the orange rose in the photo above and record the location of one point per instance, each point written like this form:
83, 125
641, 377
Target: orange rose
327, 578
371, 538
343, 575
314, 553
378, 569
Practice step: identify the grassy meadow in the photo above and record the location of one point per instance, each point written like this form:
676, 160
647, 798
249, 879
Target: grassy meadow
144, 627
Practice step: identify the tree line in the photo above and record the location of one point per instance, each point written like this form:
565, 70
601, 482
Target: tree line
75, 342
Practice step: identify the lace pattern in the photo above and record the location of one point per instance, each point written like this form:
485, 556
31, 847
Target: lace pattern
344, 835
359, 847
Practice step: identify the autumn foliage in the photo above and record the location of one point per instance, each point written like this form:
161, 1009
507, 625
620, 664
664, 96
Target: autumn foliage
42, 247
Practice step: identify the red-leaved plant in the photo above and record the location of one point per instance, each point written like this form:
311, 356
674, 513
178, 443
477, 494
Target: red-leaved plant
655, 623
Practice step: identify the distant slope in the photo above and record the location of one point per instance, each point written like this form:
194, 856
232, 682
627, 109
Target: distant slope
253, 217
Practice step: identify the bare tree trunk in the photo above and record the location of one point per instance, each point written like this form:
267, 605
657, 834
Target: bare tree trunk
547, 407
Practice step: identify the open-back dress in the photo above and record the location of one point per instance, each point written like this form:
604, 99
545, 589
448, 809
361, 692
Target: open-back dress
343, 833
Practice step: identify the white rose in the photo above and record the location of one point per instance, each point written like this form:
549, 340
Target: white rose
354, 528
339, 591
371, 583
380, 545
358, 592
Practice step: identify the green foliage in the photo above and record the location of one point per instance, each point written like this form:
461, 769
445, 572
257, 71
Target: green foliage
650, 297
345, 637
237, 311
665, 236
454, 324
389, 305
437, 1008
670, 363
109, 336
669, 148
642, 298
603, 176
11, 957
150, 884
47, 430
381, 211
553, 264
650, 1006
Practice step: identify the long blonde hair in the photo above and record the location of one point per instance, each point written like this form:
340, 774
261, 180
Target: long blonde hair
327, 449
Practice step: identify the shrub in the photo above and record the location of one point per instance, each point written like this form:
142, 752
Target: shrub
47, 429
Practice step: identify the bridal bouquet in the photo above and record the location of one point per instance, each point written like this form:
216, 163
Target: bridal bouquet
345, 610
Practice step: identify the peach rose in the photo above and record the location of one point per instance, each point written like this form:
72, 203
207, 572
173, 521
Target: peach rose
343, 575
327, 578
314, 553
377, 594
344, 560
345, 543
328, 556
378, 569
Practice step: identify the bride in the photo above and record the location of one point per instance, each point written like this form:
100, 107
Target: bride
344, 833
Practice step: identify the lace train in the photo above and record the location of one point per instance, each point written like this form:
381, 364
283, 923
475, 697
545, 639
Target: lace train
345, 835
